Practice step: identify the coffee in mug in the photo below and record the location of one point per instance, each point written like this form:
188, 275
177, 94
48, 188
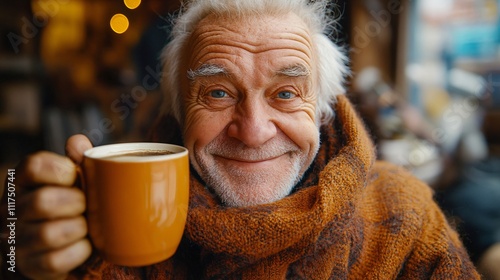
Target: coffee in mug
137, 153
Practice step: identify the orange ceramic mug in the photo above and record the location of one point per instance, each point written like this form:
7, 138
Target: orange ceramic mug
137, 200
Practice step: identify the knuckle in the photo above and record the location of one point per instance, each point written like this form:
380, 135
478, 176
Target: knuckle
48, 168
50, 263
66, 259
32, 165
60, 233
43, 199
52, 202
47, 234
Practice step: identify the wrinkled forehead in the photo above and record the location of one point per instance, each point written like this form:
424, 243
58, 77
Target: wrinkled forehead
286, 34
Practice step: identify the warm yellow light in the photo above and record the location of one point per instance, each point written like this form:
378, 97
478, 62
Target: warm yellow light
132, 4
119, 23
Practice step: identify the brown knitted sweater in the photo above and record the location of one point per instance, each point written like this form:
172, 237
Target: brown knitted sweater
349, 218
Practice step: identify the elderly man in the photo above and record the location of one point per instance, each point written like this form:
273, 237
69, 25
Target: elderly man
284, 184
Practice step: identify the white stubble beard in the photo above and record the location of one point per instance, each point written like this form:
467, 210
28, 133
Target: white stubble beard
240, 188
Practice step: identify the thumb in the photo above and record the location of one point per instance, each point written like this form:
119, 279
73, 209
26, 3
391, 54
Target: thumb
76, 145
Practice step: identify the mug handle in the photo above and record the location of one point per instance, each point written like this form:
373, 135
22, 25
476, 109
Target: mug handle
81, 184
80, 178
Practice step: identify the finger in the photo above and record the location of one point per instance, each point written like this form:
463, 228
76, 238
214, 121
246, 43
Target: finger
46, 168
51, 235
51, 203
76, 145
55, 263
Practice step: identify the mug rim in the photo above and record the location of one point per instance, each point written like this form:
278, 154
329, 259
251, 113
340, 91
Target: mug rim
108, 150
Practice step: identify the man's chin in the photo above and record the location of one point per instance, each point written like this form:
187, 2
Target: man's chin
234, 200
242, 184
240, 192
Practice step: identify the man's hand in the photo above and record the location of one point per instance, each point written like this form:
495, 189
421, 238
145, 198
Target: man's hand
52, 230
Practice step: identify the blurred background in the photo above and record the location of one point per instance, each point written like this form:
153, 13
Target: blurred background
426, 80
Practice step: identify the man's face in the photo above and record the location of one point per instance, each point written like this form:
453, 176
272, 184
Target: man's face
250, 122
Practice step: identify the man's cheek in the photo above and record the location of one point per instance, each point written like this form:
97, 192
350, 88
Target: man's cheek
200, 128
193, 120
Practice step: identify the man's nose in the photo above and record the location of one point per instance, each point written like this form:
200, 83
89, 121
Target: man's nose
252, 123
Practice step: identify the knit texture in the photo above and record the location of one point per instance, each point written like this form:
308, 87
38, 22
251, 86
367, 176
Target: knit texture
349, 218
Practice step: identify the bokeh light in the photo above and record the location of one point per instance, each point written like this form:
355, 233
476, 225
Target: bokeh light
119, 23
132, 4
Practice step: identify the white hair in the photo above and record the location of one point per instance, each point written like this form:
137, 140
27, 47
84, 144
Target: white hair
331, 62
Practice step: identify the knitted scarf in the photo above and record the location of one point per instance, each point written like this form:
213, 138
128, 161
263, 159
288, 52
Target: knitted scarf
349, 218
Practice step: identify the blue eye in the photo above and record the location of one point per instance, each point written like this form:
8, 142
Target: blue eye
218, 93
286, 95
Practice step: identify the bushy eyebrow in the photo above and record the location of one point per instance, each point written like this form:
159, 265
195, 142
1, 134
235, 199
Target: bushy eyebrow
207, 70
297, 70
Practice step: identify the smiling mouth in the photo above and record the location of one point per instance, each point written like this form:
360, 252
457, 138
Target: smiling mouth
244, 160
247, 160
